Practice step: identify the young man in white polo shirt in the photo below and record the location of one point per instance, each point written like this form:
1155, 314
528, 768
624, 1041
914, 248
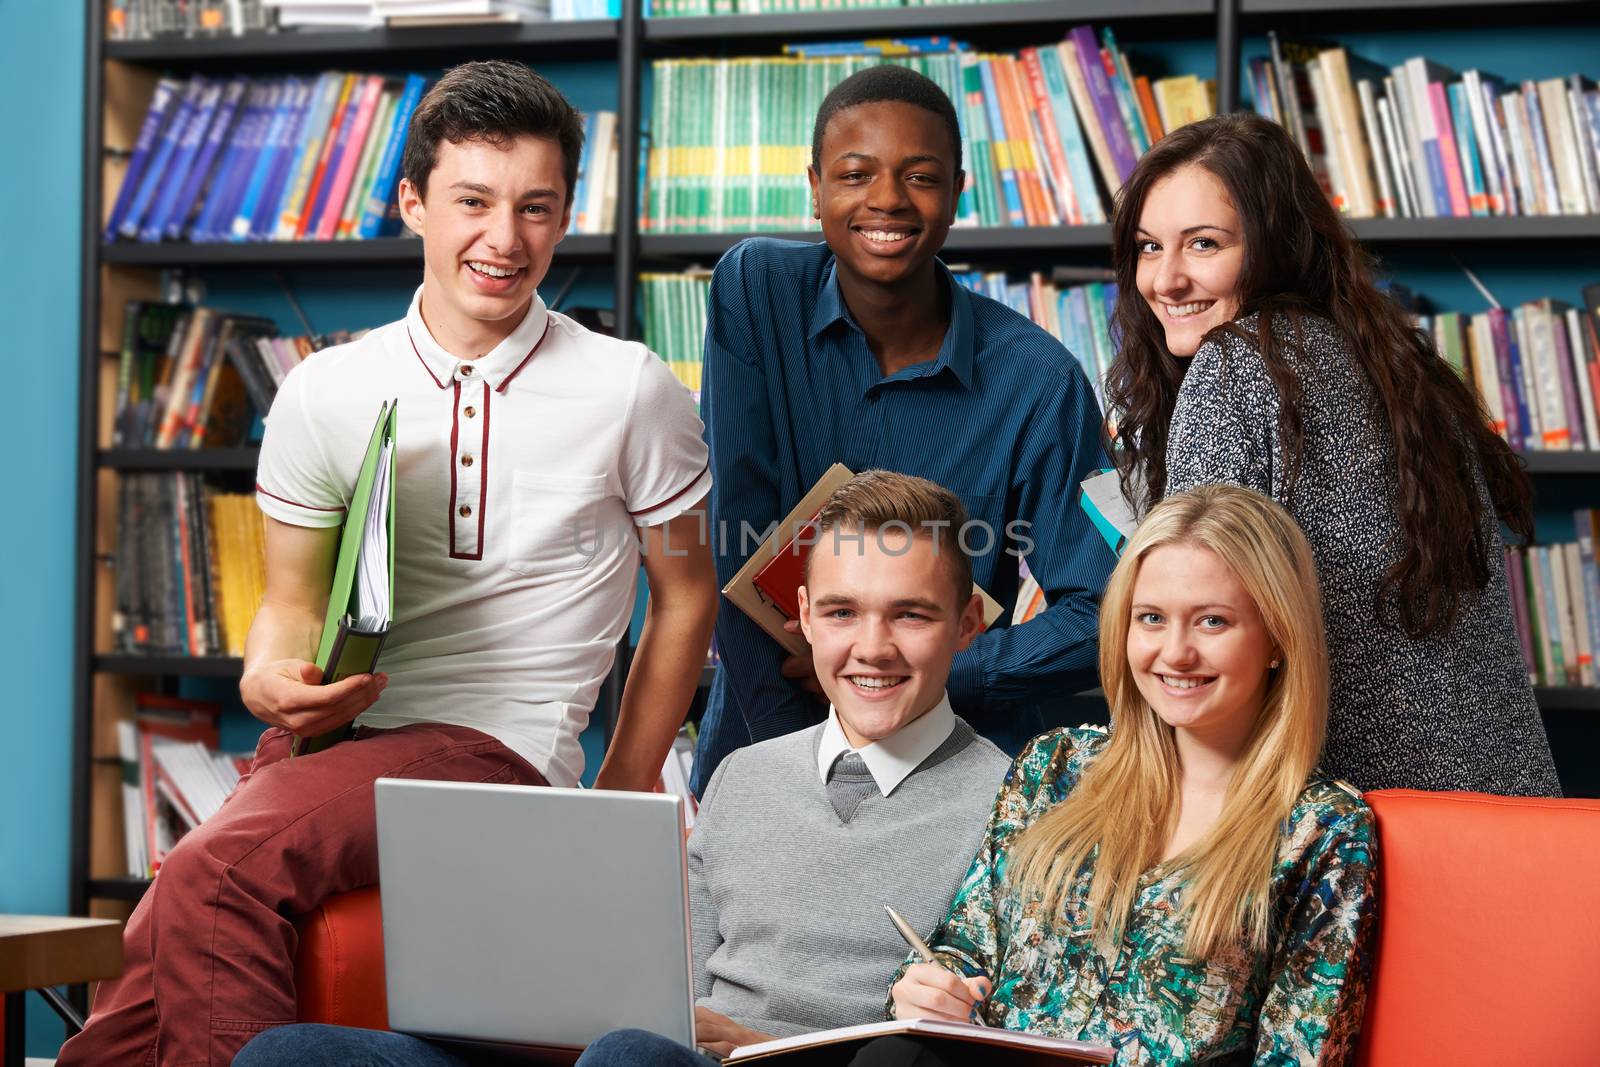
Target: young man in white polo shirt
535, 461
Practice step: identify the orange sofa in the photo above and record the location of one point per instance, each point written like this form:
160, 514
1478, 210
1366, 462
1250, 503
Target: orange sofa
1489, 936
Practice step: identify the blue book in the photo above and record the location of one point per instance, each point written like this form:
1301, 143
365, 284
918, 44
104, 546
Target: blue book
264, 220
1127, 104
216, 136
1530, 437
286, 97
225, 183
1015, 216
162, 105
250, 138
1467, 148
581, 187
156, 170
177, 174
375, 218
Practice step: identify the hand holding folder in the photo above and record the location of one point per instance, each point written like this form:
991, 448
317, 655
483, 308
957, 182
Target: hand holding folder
360, 602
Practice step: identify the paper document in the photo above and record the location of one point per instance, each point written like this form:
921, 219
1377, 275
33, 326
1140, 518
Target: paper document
372, 580
1108, 509
990, 1045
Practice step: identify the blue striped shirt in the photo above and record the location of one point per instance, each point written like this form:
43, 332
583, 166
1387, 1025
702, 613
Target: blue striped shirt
1003, 416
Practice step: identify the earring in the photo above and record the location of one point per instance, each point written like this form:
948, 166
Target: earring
1273, 665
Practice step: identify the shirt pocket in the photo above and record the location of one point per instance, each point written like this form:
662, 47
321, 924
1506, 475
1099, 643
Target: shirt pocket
555, 522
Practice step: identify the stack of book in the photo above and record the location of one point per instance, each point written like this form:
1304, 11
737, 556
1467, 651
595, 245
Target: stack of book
275, 159
675, 322
664, 9
1555, 595
1078, 315
1420, 141
197, 377
1537, 368
1048, 133
137, 20
173, 776
190, 566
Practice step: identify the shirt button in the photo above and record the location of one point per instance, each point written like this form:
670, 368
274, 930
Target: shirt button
465, 511
466, 461
466, 369
469, 412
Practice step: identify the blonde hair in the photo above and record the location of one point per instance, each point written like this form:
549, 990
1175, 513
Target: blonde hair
877, 500
1127, 801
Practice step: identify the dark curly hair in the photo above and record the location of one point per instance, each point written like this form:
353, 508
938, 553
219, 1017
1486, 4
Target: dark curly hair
1300, 260
887, 83
493, 101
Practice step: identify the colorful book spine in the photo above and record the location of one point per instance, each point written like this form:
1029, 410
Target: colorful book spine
183, 160
375, 215
162, 103
217, 135
1107, 112
349, 154
288, 98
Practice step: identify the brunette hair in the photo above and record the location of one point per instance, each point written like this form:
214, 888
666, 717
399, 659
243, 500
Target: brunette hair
1300, 261
877, 500
493, 101
1127, 803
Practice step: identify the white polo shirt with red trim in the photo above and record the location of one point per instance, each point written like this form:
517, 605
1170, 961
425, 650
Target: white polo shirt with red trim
520, 479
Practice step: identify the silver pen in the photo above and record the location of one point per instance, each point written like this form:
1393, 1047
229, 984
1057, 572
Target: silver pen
920, 947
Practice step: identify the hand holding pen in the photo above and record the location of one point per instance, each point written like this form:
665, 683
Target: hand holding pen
930, 990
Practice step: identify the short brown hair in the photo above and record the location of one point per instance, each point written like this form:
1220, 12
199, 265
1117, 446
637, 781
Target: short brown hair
876, 500
492, 101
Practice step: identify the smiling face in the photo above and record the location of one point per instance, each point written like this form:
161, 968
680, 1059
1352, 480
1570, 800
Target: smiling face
490, 222
1191, 254
884, 621
1197, 645
887, 190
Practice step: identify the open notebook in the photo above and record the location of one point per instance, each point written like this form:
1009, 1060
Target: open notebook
960, 1042
360, 601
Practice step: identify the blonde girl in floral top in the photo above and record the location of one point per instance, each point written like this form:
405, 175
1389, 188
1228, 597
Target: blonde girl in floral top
1186, 888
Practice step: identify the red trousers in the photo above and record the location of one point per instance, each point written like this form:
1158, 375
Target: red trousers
209, 951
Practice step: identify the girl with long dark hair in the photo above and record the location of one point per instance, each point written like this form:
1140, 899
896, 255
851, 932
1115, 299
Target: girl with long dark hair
1255, 348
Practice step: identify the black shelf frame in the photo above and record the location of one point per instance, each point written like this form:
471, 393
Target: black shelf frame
632, 41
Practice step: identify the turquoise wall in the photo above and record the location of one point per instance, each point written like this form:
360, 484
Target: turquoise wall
41, 78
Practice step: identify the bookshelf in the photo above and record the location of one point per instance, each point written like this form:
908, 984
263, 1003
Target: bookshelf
117, 79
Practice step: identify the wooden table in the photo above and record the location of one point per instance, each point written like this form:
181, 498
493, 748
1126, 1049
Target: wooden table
50, 950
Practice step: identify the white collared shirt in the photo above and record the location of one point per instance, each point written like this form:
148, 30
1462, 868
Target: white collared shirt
890, 760
520, 477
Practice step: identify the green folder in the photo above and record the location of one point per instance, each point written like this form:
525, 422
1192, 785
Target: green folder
353, 633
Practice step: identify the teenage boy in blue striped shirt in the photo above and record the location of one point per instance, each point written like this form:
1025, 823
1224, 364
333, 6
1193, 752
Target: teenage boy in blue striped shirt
863, 350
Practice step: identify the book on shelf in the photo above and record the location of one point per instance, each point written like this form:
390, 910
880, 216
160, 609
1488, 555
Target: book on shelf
594, 196
190, 378
1419, 140
1555, 598
1536, 367
134, 20
173, 776
675, 322
190, 566
956, 1042
1079, 316
1048, 133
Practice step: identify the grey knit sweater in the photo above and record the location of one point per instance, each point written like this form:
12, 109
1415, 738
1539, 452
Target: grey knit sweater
787, 899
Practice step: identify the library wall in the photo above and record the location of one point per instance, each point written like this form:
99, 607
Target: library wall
41, 61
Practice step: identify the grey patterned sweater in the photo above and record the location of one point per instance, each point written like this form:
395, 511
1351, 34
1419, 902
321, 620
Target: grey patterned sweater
1449, 712
786, 899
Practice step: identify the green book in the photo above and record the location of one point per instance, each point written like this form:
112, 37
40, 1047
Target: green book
360, 602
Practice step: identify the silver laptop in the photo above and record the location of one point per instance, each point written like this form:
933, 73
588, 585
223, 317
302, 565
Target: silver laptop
521, 916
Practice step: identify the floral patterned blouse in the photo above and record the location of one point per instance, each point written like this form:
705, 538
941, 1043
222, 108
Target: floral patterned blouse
1299, 1002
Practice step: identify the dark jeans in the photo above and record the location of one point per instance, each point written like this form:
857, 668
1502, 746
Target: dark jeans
640, 1048
316, 1045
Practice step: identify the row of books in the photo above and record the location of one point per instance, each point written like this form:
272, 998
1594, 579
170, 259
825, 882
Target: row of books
1555, 596
1079, 315
140, 20
173, 776
666, 9
190, 566
1536, 366
273, 159
675, 322
374, 14
197, 377
1047, 133
1418, 140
